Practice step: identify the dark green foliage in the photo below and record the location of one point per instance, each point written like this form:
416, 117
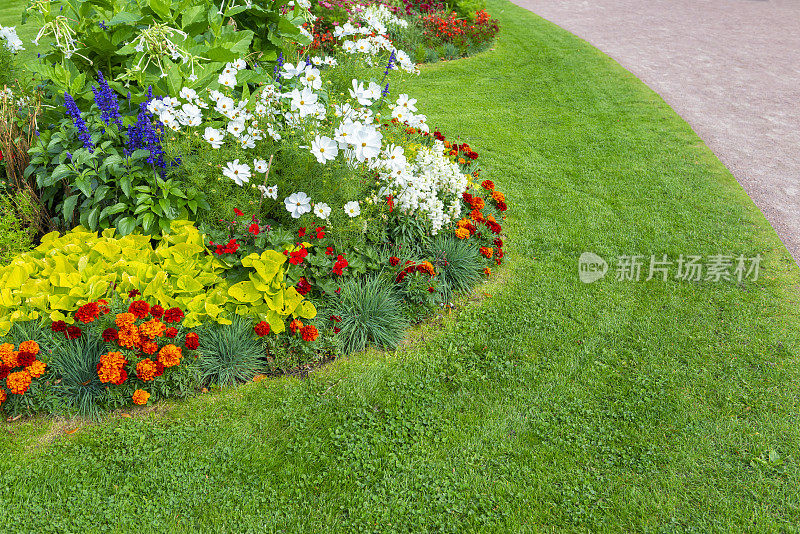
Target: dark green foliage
371, 313
229, 354
15, 237
79, 390
458, 263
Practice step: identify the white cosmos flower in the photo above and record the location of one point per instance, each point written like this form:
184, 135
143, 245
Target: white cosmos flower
324, 148
374, 90
239, 64
229, 70
225, 105
311, 79
239, 173
236, 128
247, 142
408, 103
349, 47
367, 143
269, 192
345, 133
359, 93
352, 209
322, 210
395, 157
297, 204
188, 93
290, 71
216, 96
259, 165
304, 102
228, 80
214, 137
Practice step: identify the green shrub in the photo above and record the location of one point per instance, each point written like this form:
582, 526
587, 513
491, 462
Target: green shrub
15, 237
459, 264
370, 312
79, 389
229, 354
466, 8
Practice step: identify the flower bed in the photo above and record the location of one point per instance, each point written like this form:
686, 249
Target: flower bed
258, 219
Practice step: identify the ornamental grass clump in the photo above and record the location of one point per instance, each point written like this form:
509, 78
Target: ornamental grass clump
367, 311
230, 354
459, 264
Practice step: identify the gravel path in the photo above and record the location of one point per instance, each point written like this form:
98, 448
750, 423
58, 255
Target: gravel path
730, 68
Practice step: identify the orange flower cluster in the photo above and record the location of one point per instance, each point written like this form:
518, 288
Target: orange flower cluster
486, 251
169, 355
147, 370
424, 267
24, 361
140, 397
111, 368
447, 28
308, 332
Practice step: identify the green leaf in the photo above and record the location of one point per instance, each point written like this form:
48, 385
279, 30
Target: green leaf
68, 208
126, 225
84, 183
125, 183
124, 18
93, 217
161, 8
112, 210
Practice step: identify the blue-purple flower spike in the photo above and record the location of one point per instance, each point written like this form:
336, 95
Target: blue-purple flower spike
75, 113
106, 100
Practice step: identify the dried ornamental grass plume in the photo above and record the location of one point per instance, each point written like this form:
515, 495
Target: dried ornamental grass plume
18, 382
140, 397
169, 355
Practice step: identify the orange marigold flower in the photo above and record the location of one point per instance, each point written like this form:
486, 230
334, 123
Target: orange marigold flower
426, 267
463, 223
462, 161
8, 354
487, 271
36, 369
146, 370
477, 203
309, 332
18, 382
295, 325
491, 218
29, 346
498, 196
124, 319
149, 347
488, 184
462, 233
110, 368
476, 215
152, 328
2, 395
140, 397
128, 336
486, 251
169, 355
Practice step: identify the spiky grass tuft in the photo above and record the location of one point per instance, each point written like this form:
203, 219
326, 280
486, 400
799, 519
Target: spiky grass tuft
80, 390
229, 354
459, 264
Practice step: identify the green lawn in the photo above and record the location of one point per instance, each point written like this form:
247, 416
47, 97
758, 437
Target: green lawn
546, 405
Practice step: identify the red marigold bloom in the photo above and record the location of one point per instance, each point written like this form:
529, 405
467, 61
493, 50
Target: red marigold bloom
394, 261
139, 308
238, 212
487, 271
336, 329
467, 197
262, 328
58, 326
329, 251
157, 311
498, 242
4, 371
254, 229
192, 341
488, 185
486, 251
302, 231
309, 332
173, 315
24, 359
103, 305
295, 325
400, 276
431, 290
88, 312
302, 286
502, 206
72, 332
340, 264
171, 332
159, 369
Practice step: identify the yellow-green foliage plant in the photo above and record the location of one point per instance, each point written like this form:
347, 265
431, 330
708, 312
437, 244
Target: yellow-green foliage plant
67, 271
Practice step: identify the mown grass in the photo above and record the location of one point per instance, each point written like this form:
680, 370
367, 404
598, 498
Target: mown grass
547, 405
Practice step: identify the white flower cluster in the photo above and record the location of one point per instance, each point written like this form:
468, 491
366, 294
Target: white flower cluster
431, 185
370, 45
9, 34
378, 17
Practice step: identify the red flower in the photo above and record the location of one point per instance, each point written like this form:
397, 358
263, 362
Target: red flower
394, 261
254, 229
159, 369
110, 334
88, 312
58, 326
173, 315
302, 232
4, 371
303, 287
297, 257
431, 290
329, 251
262, 328
24, 359
139, 308
498, 242
72, 332
309, 332
467, 197
340, 264
336, 329
320, 232
171, 332
488, 185
502, 206
336, 318
192, 341
103, 306
238, 212
157, 311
